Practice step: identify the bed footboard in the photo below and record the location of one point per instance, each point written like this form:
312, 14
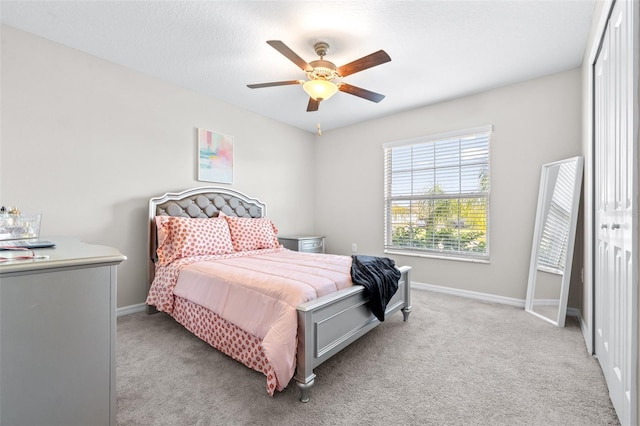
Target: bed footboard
330, 323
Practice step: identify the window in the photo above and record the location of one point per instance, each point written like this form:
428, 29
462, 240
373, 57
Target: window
437, 195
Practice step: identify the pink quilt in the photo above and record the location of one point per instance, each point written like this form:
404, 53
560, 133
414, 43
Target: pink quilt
257, 291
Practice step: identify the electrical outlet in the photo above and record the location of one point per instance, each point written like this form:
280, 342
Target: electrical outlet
354, 248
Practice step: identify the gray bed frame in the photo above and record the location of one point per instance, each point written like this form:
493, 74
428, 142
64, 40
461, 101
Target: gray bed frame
325, 325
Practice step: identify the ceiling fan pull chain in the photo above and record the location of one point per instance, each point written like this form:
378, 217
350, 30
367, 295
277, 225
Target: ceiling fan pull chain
319, 129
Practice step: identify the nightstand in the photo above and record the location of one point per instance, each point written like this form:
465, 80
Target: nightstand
307, 243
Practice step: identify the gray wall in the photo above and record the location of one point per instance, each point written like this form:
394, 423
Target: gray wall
535, 122
106, 139
87, 143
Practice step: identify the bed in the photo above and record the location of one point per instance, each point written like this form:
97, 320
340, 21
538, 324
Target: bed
181, 270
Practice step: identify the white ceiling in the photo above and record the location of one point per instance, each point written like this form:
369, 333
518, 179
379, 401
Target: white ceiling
440, 49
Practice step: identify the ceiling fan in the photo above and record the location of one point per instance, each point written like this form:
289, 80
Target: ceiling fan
321, 73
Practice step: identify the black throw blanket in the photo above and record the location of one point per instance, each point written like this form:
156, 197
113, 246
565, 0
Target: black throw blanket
379, 276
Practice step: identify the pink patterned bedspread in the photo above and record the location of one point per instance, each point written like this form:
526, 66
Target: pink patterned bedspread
257, 291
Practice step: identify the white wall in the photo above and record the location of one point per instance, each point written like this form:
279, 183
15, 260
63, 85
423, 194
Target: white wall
535, 122
87, 143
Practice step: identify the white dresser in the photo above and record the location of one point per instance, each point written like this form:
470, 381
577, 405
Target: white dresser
58, 336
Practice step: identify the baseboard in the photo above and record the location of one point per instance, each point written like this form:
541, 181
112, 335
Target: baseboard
132, 309
586, 332
575, 312
518, 303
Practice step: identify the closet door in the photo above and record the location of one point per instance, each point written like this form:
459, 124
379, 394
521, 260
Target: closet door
615, 109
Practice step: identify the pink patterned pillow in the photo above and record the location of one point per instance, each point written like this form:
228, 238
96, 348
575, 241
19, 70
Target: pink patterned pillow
180, 237
252, 234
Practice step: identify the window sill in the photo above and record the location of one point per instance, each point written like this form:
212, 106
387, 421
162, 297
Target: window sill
439, 257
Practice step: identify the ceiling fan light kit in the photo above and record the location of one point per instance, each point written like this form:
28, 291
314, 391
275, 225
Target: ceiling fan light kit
320, 86
320, 90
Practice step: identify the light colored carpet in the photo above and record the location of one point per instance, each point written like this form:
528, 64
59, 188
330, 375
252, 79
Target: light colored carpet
457, 361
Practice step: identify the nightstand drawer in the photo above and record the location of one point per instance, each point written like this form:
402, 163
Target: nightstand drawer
306, 243
315, 245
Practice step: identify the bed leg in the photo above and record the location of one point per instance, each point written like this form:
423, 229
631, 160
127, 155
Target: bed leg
304, 390
406, 288
405, 313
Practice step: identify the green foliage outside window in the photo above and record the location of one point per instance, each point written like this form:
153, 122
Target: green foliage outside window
444, 225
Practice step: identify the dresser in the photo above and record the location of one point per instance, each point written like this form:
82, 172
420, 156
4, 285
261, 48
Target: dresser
308, 243
58, 336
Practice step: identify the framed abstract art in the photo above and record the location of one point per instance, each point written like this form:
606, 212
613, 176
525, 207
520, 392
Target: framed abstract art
215, 157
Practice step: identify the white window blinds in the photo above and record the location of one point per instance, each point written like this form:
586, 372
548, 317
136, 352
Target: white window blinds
437, 194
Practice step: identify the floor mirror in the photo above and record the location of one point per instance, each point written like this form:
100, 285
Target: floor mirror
553, 240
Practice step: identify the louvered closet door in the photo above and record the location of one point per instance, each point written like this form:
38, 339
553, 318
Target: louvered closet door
616, 227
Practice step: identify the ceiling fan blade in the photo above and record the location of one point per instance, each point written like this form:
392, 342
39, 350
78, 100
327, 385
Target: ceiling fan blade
363, 93
313, 105
290, 54
275, 83
376, 58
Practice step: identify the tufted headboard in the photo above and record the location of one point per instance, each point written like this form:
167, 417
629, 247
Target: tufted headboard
206, 202
199, 202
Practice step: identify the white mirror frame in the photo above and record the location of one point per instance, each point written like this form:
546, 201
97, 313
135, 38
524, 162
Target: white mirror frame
547, 186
